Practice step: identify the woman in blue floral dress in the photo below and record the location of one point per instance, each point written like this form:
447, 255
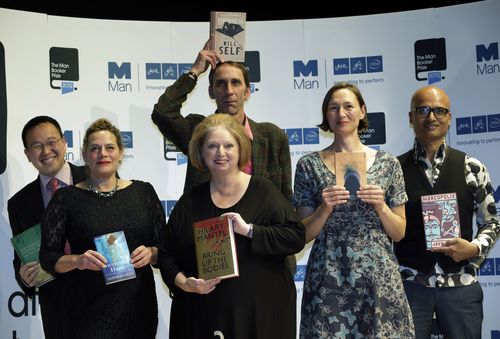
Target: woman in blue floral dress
352, 288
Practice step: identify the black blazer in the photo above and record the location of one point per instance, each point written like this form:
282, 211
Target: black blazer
26, 209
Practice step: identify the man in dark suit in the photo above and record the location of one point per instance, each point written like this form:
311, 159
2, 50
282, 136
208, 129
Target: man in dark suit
229, 86
45, 148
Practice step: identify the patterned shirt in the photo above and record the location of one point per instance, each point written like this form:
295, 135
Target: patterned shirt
488, 228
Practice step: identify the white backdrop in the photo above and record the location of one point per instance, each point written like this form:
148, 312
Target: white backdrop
118, 69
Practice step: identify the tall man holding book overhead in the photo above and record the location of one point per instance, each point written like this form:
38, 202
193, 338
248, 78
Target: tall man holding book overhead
45, 147
444, 280
229, 86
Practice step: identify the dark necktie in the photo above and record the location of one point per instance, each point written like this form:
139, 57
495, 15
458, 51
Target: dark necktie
54, 185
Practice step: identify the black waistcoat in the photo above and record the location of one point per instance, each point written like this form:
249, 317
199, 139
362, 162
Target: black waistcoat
411, 250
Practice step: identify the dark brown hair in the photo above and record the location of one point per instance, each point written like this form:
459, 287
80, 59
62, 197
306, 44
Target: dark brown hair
234, 64
363, 123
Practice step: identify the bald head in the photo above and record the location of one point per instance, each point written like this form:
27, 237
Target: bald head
429, 94
430, 130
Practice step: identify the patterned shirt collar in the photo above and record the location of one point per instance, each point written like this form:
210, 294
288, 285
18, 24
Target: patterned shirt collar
431, 168
419, 152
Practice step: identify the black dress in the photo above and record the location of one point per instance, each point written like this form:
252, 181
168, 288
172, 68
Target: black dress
261, 302
126, 309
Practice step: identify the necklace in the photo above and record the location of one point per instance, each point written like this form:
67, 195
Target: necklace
102, 194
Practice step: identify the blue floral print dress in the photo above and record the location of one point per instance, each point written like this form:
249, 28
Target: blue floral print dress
352, 288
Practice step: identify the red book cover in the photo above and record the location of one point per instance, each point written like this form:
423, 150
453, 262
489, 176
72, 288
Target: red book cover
215, 248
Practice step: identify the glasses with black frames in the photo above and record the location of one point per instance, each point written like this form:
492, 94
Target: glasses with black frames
424, 111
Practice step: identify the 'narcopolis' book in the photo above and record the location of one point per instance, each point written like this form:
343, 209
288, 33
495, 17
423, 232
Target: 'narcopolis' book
350, 171
27, 246
441, 218
113, 246
215, 248
228, 29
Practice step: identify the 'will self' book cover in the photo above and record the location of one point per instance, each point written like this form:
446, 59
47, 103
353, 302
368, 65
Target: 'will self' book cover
228, 29
441, 218
113, 246
215, 248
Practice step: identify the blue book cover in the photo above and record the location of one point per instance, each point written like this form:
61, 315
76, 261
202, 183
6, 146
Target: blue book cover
113, 246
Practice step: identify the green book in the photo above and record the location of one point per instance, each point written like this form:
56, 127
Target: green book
27, 246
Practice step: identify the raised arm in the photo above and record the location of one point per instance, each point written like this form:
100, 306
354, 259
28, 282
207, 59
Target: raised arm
167, 111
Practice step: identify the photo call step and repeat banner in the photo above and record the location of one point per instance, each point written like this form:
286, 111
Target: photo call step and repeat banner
78, 70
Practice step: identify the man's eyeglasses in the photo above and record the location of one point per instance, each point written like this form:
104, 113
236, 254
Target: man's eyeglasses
424, 111
38, 146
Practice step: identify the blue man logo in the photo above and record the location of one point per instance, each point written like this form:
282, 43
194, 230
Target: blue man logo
119, 72
495, 334
464, 126
301, 69
68, 135
484, 53
127, 139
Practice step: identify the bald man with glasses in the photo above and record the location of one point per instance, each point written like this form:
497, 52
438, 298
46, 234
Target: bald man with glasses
444, 281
